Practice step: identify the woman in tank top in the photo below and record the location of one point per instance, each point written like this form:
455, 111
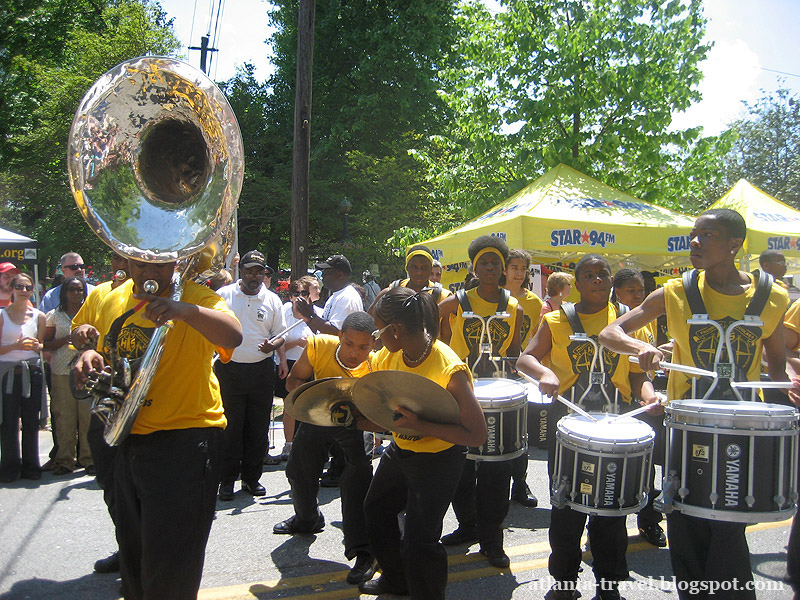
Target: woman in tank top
21, 334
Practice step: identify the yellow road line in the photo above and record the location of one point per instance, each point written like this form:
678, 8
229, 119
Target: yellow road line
319, 581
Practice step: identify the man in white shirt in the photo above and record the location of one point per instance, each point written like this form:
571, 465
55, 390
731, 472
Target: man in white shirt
247, 382
344, 298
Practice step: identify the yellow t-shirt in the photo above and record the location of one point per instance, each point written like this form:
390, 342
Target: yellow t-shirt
321, 352
439, 367
88, 310
443, 291
184, 392
466, 333
792, 319
696, 345
531, 308
569, 358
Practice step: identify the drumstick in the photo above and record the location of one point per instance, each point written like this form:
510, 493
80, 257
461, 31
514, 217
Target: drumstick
284, 332
771, 385
661, 400
563, 400
680, 368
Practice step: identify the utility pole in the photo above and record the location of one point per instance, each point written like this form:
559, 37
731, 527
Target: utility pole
302, 138
204, 50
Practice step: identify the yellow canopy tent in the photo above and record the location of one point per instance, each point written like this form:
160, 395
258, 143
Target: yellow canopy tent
565, 214
771, 225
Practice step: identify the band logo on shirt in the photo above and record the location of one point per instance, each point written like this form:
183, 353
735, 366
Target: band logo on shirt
581, 355
499, 331
526, 327
703, 341
132, 341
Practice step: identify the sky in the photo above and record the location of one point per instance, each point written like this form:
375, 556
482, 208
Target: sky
752, 39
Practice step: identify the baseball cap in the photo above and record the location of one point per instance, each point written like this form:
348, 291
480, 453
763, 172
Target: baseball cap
254, 258
337, 261
7, 266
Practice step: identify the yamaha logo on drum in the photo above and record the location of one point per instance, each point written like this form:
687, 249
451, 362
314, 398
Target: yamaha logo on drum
733, 451
732, 473
611, 467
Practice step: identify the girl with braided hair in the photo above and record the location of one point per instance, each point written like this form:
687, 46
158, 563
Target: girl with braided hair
417, 473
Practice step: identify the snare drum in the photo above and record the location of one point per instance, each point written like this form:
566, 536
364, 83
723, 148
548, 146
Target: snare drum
504, 403
538, 412
602, 468
730, 461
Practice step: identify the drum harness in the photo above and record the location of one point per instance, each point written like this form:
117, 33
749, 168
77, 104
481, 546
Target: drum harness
727, 371
593, 387
436, 290
483, 351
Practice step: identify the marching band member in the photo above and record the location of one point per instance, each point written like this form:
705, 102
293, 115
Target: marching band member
517, 278
482, 499
419, 268
629, 290
346, 355
418, 474
569, 371
704, 550
167, 470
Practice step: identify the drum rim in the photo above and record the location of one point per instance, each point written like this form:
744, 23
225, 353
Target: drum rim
583, 437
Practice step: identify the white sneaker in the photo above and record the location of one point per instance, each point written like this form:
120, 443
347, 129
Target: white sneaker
287, 447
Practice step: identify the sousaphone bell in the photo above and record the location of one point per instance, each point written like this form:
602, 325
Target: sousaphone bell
156, 165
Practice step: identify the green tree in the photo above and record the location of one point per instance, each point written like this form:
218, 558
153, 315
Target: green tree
766, 151
34, 186
589, 83
375, 98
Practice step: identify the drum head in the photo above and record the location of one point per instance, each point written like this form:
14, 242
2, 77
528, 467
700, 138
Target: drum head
534, 395
497, 392
607, 430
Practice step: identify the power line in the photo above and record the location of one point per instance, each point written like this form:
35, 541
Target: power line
780, 72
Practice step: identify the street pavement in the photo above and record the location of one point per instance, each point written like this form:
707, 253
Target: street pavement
52, 531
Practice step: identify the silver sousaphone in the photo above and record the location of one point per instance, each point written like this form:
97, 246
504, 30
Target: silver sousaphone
156, 165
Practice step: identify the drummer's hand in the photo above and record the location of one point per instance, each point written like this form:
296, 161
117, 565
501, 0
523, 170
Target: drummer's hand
794, 393
406, 418
650, 358
656, 404
549, 385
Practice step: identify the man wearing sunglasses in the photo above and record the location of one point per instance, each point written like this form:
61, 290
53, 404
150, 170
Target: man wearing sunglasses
71, 266
247, 382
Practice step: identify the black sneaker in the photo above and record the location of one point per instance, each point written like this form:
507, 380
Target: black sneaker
329, 480
654, 535
363, 570
607, 590
108, 565
462, 535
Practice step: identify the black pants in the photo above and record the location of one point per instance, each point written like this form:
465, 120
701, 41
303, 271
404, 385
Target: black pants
104, 457
15, 407
482, 498
649, 515
247, 390
166, 486
702, 550
608, 539
608, 536
307, 460
422, 484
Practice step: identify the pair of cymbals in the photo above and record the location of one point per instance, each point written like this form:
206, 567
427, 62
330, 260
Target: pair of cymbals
336, 402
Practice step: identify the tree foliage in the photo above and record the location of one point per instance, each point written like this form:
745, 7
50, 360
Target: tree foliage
589, 83
375, 84
72, 50
766, 150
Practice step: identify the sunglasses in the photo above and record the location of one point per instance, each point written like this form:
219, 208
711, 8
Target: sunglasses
304, 294
75, 267
376, 335
20, 287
